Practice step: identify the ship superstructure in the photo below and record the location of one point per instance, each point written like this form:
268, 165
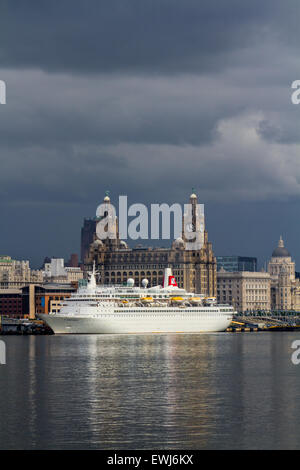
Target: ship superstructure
132, 309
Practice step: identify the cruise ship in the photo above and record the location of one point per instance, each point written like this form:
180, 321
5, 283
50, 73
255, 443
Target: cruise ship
130, 309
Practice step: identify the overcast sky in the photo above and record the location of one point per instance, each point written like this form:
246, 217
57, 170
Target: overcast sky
149, 98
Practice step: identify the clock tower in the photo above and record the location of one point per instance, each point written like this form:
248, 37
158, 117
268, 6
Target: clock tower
193, 227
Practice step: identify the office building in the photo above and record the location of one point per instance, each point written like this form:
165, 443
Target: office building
237, 263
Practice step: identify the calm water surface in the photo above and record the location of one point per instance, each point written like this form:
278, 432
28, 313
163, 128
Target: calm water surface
214, 391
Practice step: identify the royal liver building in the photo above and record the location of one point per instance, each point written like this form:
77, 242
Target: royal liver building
193, 264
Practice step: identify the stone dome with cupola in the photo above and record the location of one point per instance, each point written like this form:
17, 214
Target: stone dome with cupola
281, 261
280, 251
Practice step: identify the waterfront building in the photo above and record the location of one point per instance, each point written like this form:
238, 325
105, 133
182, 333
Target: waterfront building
46, 298
246, 291
16, 274
87, 236
11, 302
24, 291
56, 271
285, 287
237, 263
276, 290
34, 298
73, 261
74, 274
194, 269
281, 261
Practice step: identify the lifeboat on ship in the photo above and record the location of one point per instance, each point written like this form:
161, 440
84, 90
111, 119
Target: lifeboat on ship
210, 300
176, 300
146, 300
195, 300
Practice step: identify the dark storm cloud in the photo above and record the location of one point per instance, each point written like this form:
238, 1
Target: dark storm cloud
62, 136
281, 126
158, 36
60, 110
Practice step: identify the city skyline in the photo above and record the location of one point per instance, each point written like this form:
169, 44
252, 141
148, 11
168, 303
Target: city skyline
230, 250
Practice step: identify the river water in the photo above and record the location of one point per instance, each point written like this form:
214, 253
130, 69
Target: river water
209, 391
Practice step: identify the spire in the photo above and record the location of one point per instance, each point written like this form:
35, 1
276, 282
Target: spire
193, 195
107, 198
280, 243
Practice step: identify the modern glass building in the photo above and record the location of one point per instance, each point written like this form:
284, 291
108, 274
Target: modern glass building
237, 263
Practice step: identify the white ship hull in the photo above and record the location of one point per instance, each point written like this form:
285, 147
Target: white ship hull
177, 322
129, 310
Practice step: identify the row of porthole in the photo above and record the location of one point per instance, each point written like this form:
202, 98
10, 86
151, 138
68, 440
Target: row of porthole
143, 316
184, 314
137, 273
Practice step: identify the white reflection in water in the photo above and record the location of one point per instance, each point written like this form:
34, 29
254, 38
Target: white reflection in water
214, 391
